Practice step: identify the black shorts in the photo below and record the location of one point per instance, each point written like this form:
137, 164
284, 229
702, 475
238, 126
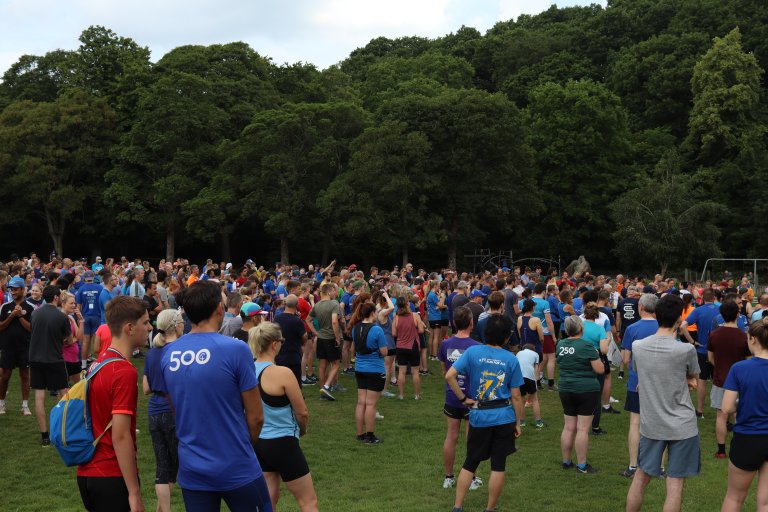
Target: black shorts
749, 452
406, 357
162, 430
456, 413
371, 381
528, 387
391, 352
705, 369
495, 443
436, 324
606, 363
103, 494
51, 376
282, 455
579, 404
15, 354
327, 349
422, 341
73, 368
632, 402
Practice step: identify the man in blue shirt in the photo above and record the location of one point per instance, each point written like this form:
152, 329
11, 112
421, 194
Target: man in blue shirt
212, 385
702, 317
494, 377
638, 330
87, 299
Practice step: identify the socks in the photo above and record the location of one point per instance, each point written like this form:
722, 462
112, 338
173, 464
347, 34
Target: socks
550, 382
44, 435
24, 403
720, 448
606, 407
2, 403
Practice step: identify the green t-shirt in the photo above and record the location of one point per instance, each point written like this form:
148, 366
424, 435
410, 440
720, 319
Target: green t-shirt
323, 311
574, 357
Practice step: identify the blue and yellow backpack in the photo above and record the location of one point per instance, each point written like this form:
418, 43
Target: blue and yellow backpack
71, 429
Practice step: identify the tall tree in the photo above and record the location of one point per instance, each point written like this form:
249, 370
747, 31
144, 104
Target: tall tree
52, 159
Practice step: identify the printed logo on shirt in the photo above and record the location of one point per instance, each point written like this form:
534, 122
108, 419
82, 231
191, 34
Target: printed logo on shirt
489, 383
186, 358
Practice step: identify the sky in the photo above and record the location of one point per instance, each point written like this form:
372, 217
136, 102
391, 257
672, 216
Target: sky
322, 32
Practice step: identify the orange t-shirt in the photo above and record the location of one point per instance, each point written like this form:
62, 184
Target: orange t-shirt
192, 280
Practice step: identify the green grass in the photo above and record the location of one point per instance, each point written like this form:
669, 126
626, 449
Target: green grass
404, 473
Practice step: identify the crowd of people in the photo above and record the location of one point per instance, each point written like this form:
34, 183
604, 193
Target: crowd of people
243, 341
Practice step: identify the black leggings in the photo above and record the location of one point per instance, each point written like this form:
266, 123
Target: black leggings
104, 494
599, 405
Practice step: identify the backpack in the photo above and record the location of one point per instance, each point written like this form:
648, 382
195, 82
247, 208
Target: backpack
361, 345
70, 422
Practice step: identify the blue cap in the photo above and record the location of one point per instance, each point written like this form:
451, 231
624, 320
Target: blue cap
477, 293
505, 269
251, 309
17, 282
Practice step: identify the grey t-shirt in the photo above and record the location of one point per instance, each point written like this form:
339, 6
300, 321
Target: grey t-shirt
510, 301
324, 311
663, 365
230, 325
49, 329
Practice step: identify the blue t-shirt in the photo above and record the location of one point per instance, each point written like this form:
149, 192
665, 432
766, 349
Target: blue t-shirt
750, 380
578, 306
433, 314
158, 403
373, 362
541, 309
554, 308
741, 322
269, 286
491, 374
593, 333
281, 291
88, 298
702, 318
346, 300
104, 297
204, 374
639, 330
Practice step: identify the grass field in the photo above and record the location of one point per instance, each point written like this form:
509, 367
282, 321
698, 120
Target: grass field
403, 474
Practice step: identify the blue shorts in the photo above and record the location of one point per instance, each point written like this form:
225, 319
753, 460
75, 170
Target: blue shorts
90, 324
632, 402
252, 497
684, 457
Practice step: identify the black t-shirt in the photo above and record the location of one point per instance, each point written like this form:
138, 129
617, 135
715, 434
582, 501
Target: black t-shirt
152, 304
241, 335
459, 300
292, 328
15, 331
629, 312
510, 301
477, 310
49, 329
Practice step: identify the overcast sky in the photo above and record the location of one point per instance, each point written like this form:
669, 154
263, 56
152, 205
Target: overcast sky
322, 32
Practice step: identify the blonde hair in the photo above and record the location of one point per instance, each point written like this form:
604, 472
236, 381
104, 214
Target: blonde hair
261, 336
166, 322
64, 297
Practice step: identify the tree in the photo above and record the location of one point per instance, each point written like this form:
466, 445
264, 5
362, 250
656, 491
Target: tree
580, 140
383, 197
286, 157
478, 155
52, 158
38, 78
660, 223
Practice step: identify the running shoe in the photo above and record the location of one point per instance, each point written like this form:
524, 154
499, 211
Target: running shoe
522, 423
306, 382
719, 455
425, 372
611, 410
45, 442
379, 416
393, 382
587, 469
312, 378
567, 465
372, 439
417, 397
348, 371
339, 388
449, 482
621, 375
325, 394
700, 415
25, 410
387, 394
628, 472
539, 425
362, 437
476, 483
2, 409
598, 432
614, 401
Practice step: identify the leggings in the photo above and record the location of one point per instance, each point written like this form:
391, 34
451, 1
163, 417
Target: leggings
599, 404
252, 497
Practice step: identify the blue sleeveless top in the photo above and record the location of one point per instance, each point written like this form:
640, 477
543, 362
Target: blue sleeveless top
387, 327
279, 420
528, 335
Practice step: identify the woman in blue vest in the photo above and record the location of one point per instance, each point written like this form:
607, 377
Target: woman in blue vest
285, 420
370, 348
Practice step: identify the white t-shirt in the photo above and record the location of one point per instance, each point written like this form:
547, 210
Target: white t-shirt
527, 359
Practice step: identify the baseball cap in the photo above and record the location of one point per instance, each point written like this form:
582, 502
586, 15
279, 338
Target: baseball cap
252, 309
17, 282
505, 269
89, 275
477, 293
353, 267
98, 258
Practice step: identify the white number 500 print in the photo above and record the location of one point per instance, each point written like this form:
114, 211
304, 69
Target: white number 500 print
188, 357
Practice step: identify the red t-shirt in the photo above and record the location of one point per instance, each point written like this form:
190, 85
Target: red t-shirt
729, 344
104, 339
114, 390
304, 308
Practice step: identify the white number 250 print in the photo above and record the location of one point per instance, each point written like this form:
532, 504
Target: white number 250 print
188, 357
566, 351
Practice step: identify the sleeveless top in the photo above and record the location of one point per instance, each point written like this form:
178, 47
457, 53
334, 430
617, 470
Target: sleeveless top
387, 327
407, 333
279, 420
528, 335
563, 315
743, 309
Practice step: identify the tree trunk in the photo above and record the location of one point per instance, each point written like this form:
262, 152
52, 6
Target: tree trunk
56, 232
664, 266
225, 249
284, 250
170, 241
405, 255
452, 245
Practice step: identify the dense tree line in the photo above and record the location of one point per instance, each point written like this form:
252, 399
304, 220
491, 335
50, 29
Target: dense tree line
633, 134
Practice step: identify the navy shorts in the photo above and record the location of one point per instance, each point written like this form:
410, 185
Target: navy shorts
90, 324
684, 457
632, 402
